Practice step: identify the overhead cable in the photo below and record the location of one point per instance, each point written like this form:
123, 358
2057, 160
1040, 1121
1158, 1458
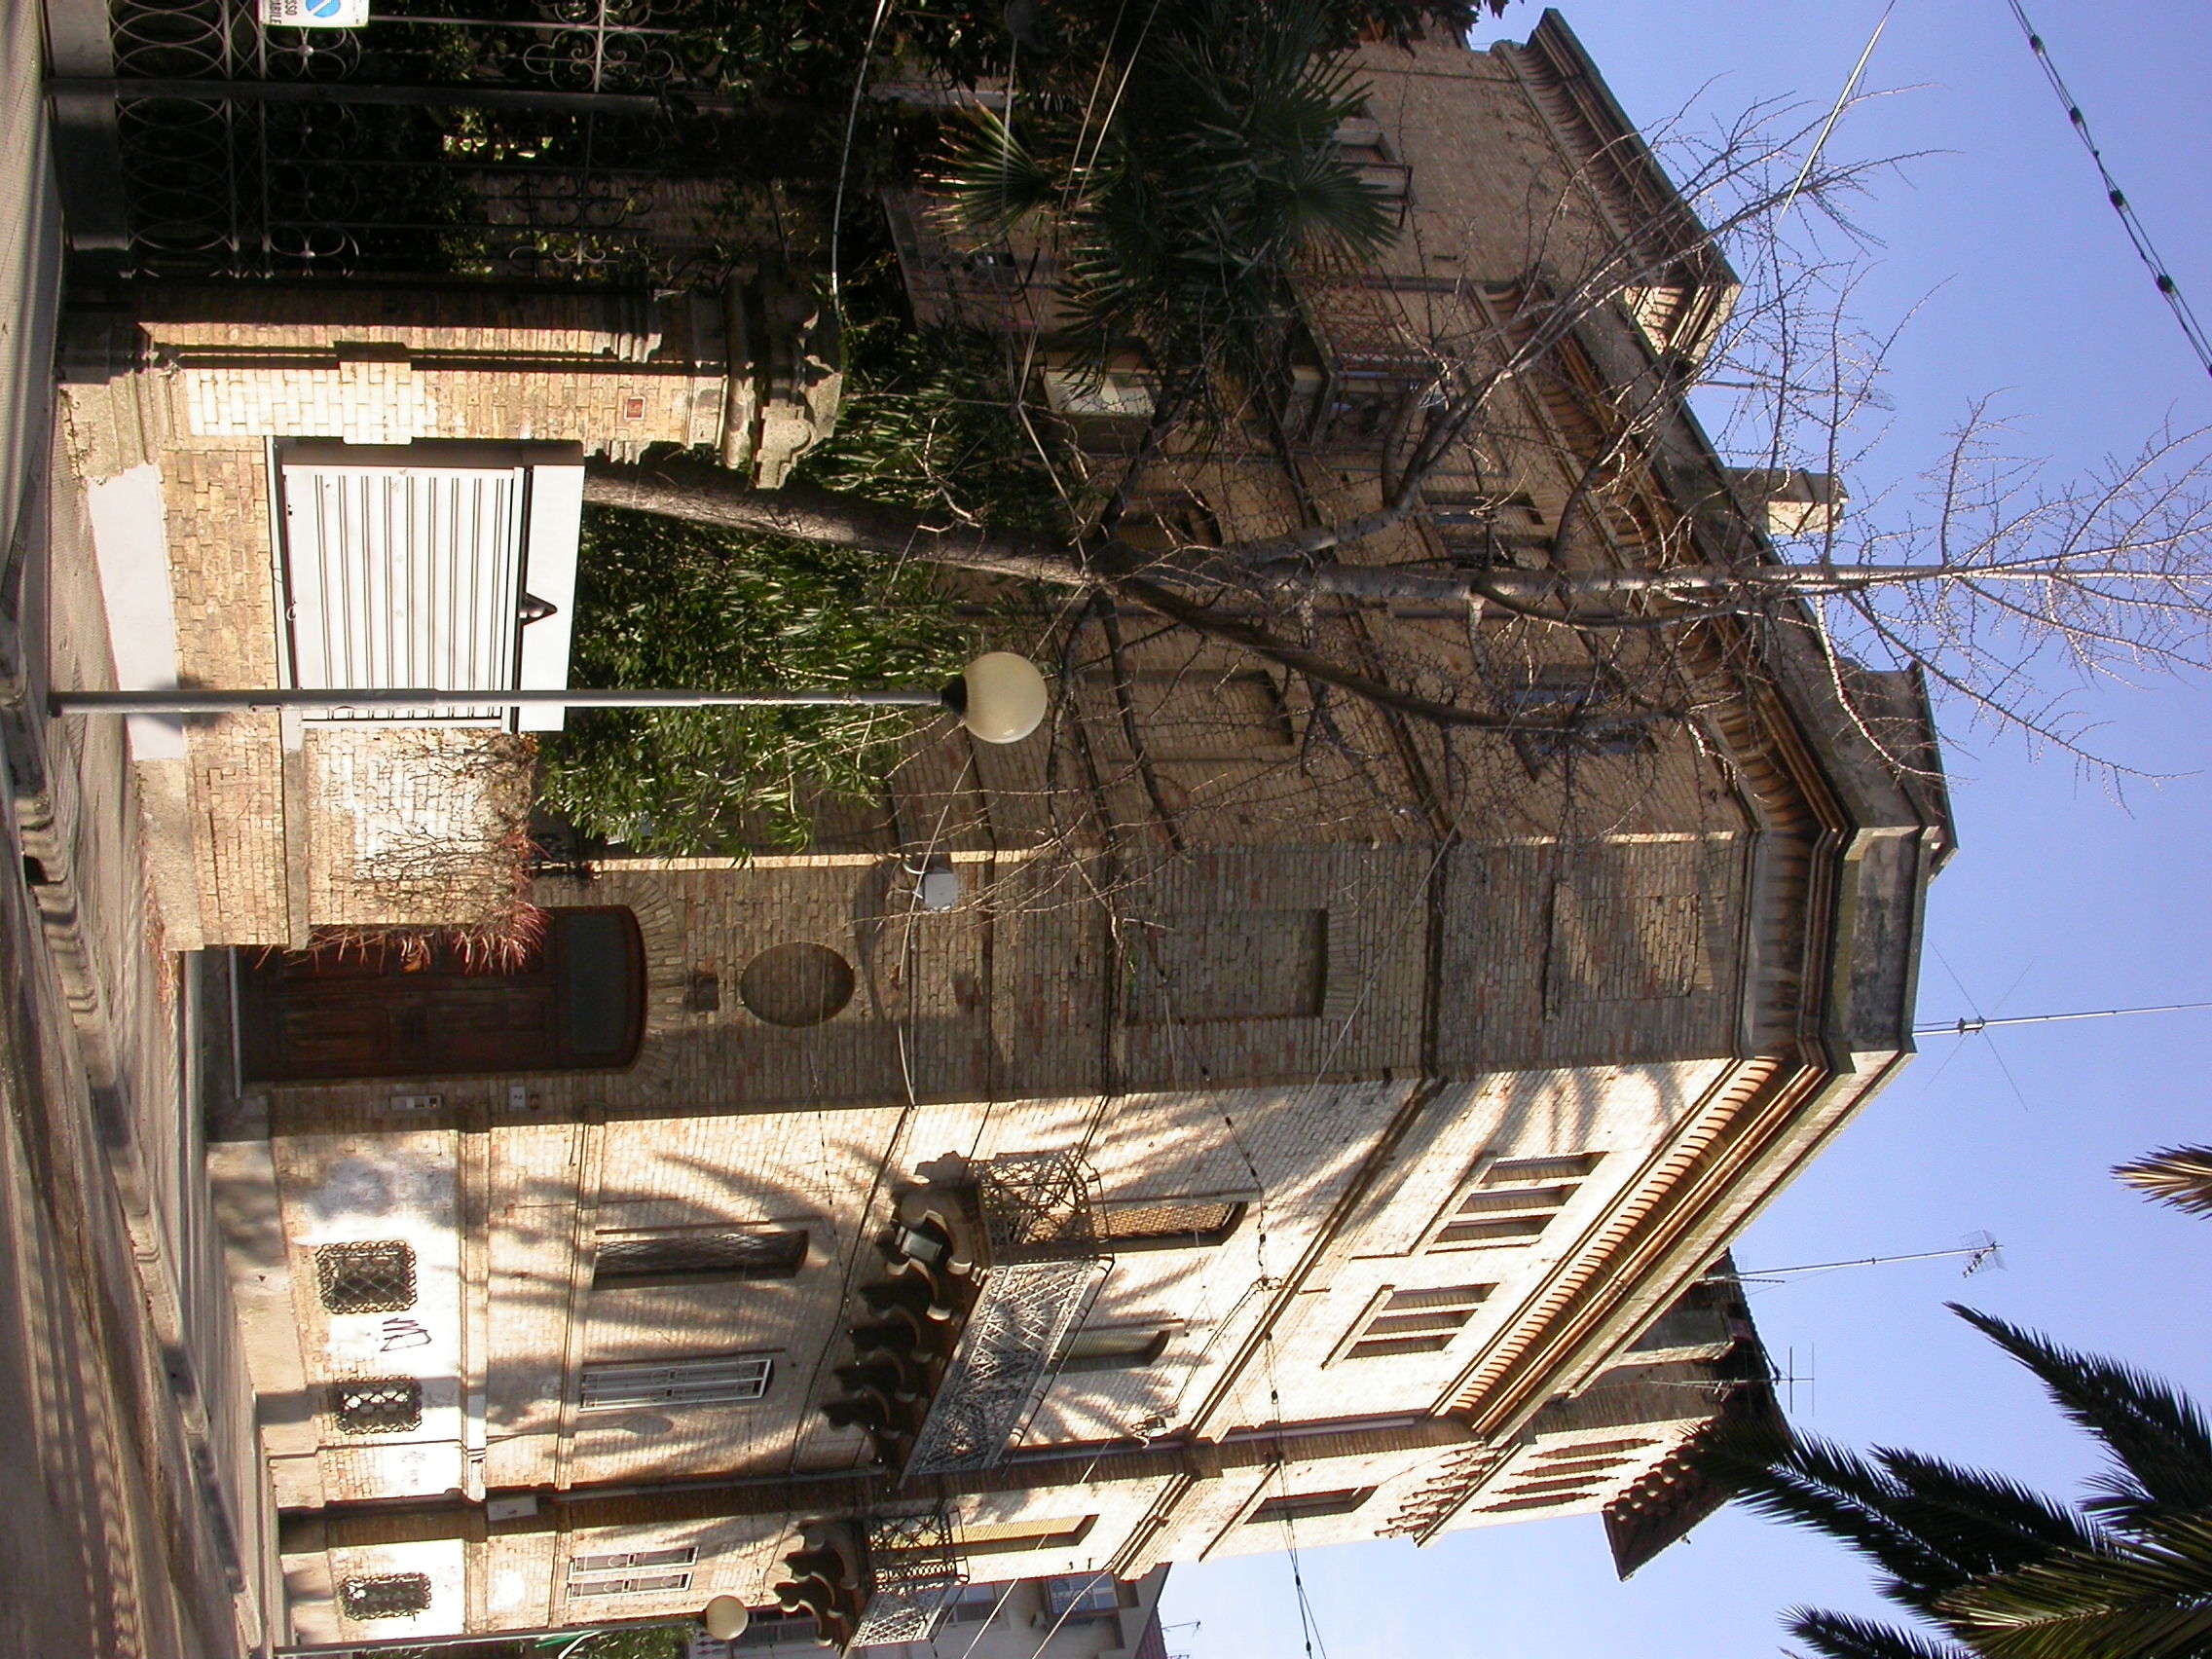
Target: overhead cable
2136, 234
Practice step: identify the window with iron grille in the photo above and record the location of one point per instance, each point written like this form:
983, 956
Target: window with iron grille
973, 1603
377, 1405
365, 1279
1415, 1321
1081, 1596
775, 1627
1512, 1201
1310, 1506
1170, 1224
718, 1379
640, 1585
698, 1256
681, 1554
385, 1596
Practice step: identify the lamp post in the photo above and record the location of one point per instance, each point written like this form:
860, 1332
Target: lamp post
999, 697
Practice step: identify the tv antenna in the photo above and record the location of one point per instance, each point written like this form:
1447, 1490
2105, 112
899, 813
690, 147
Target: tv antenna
1981, 1250
1980, 1024
1788, 1378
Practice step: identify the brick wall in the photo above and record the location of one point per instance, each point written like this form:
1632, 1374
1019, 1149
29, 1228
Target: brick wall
198, 380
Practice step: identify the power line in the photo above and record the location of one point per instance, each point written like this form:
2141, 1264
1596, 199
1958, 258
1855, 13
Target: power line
1980, 1024
2136, 234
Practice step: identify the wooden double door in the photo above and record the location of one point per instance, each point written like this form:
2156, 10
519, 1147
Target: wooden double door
363, 1008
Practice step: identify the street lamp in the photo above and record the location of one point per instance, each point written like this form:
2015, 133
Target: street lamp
726, 1618
999, 697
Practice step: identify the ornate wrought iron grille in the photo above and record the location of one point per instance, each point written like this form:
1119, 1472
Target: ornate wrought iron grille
913, 1570
365, 1279
377, 1405
520, 138
385, 1596
1036, 1203
1046, 1265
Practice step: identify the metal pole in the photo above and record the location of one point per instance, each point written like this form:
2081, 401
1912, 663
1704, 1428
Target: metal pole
348, 93
1978, 1023
188, 702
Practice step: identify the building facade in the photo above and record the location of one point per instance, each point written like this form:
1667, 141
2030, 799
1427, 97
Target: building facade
1243, 1112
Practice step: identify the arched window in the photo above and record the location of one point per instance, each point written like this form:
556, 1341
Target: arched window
356, 1008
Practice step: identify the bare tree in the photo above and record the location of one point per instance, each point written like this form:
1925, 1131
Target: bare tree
2012, 594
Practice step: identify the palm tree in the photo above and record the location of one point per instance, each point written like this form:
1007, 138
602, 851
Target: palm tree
2000, 1571
1183, 200
2178, 1175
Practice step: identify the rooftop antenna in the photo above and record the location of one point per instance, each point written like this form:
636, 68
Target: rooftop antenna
1789, 1378
1980, 1024
1979, 1249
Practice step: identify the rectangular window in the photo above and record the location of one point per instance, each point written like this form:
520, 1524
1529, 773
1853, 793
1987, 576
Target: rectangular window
1167, 1224
377, 1405
1512, 1201
1127, 1349
1116, 395
717, 1381
973, 1603
698, 1256
1162, 523
1484, 528
993, 1536
1362, 144
1415, 1321
640, 1585
385, 1596
683, 1555
365, 1279
1081, 1596
1310, 1506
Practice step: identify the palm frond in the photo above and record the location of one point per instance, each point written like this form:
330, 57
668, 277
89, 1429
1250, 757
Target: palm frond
989, 180
1839, 1635
1928, 1544
2147, 1598
1218, 175
2158, 1436
1981, 1523
2176, 1175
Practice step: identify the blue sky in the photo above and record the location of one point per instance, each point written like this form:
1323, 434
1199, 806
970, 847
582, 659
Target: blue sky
2059, 899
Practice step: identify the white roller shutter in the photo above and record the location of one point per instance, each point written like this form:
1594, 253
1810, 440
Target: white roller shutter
407, 567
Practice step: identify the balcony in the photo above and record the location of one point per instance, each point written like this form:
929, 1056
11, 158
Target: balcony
989, 1275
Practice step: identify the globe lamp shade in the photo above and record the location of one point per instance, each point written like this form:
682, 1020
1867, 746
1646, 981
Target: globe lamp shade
1000, 699
726, 1618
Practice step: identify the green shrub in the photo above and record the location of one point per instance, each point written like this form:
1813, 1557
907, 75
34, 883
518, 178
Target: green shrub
660, 603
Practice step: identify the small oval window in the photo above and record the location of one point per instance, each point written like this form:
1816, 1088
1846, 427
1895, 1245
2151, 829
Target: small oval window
797, 984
